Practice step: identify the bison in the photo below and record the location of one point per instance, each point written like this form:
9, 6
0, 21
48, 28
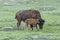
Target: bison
22, 15
31, 21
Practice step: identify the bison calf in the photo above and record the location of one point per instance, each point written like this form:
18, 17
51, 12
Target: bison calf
31, 21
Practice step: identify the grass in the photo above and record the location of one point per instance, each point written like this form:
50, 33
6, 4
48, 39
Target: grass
50, 12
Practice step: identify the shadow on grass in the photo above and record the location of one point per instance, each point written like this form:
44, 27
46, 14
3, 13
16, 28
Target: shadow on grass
9, 29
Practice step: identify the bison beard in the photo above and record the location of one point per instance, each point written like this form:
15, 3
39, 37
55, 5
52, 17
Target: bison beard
22, 15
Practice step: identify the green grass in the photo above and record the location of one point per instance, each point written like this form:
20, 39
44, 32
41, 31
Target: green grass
50, 12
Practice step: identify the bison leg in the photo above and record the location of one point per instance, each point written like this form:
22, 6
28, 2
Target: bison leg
31, 26
34, 27
26, 27
18, 22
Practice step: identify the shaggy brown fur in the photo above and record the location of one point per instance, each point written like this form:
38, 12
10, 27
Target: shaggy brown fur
31, 21
22, 15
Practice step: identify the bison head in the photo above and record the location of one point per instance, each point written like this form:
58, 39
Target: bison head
41, 23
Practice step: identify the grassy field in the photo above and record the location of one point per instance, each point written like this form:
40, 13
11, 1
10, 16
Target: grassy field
50, 12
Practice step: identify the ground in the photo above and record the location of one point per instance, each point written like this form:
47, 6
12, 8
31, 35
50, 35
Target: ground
50, 12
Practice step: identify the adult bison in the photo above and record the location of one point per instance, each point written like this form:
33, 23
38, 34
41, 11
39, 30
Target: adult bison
22, 15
